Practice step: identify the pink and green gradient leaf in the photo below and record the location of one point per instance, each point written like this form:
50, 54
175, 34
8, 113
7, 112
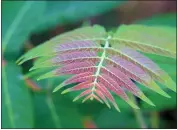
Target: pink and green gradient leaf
102, 64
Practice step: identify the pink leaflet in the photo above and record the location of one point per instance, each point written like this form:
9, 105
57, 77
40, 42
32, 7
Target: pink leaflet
73, 55
85, 92
87, 97
113, 86
82, 85
82, 79
131, 70
76, 64
144, 61
77, 44
78, 76
97, 98
75, 70
76, 56
105, 91
121, 79
101, 95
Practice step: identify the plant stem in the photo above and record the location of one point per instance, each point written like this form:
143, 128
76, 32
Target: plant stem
138, 114
154, 120
101, 62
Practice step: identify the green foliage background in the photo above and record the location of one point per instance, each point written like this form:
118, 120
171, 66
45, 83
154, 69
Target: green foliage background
23, 107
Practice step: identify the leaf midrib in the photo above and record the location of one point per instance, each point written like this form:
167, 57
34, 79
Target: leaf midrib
7, 99
51, 106
15, 24
53, 111
101, 62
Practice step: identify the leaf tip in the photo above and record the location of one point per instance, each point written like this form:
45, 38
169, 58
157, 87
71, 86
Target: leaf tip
39, 78
47, 75
166, 95
147, 100
75, 99
32, 68
133, 105
157, 89
116, 107
170, 84
19, 61
65, 91
54, 91
58, 87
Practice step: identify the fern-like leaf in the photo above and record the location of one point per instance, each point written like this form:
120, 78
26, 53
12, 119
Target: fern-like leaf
102, 64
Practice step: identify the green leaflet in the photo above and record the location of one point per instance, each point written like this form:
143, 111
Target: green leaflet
160, 40
17, 110
161, 59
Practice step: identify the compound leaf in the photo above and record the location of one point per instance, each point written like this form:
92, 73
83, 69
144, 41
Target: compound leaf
99, 68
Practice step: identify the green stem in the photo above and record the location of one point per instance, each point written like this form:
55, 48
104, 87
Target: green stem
101, 62
8, 102
154, 120
51, 106
138, 113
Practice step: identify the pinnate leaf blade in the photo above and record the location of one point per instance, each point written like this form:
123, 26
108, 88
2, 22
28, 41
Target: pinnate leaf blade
100, 67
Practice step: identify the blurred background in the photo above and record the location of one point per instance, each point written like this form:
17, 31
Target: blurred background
27, 103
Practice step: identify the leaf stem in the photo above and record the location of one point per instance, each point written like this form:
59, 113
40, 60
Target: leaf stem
154, 120
7, 99
138, 113
51, 106
101, 61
